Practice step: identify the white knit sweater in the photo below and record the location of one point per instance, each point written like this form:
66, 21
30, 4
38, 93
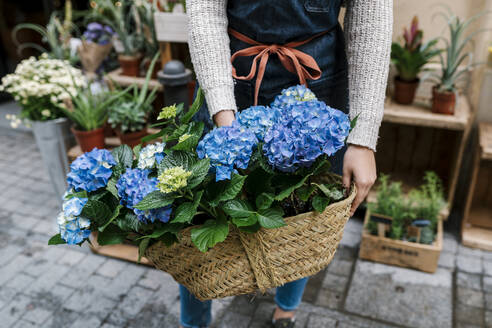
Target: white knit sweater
367, 27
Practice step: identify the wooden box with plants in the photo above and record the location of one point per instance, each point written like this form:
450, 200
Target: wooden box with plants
405, 230
477, 222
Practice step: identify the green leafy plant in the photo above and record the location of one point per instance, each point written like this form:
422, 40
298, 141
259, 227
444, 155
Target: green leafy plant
410, 58
129, 113
456, 60
146, 11
123, 18
56, 35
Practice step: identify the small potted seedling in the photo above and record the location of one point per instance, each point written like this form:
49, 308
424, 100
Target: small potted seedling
409, 61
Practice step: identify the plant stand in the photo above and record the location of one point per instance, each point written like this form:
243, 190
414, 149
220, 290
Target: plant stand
476, 229
53, 139
414, 140
399, 252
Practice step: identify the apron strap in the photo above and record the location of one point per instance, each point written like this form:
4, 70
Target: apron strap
295, 61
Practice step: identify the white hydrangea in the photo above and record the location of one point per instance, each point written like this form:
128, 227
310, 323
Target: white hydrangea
147, 156
44, 77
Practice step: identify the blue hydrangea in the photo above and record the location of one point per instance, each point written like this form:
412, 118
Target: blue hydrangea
73, 228
133, 186
293, 96
258, 119
304, 132
91, 170
228, 147
150, 155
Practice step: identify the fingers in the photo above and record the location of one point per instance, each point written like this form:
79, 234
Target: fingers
347, 179
363, 188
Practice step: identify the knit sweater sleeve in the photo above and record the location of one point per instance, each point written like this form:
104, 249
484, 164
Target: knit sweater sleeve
368, 28
210, 52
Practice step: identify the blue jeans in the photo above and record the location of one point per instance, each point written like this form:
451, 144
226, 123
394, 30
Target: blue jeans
197, 314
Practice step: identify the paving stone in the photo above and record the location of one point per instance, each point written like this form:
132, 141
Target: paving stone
470, 297
243, 304
264, 311
121, 284
447, 260
20, 282
335, 282
487, 267
63, 318
488, 301
154, 279
25, 324
468, 280
14, 310
331, 299
317, 321
467, 251
86, 321
487, 284
11, 269
385, 293
469, 315
235, 320
469, 264
350, 239
450, 242
488, 319
71, 258
111, 268
108, 325
340, 267
37, 315
49, 279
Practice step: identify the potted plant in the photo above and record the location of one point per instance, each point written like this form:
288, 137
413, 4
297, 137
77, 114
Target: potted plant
456, 61
409, 60
128, 115
89, 112
405, 230
227, 201
40, 87
96, 46
57, 34
122, 17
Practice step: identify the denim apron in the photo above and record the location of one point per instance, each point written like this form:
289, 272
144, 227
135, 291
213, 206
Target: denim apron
281, 22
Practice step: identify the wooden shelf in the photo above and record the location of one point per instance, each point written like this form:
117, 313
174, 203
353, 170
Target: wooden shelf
476, 229
420, 114
485, 140
125, 81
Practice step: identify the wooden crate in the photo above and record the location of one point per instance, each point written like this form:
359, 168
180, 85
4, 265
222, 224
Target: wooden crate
401, 253
414, 140
125, 252
477, 222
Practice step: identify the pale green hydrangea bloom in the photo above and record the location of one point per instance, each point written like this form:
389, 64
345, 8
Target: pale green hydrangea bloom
173, 179
168, 112
184, 137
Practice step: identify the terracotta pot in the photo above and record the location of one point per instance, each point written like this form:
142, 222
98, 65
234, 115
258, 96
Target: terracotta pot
130, 65
89, 140
157, 68
405, 91
132, 138
443, 102
108, 130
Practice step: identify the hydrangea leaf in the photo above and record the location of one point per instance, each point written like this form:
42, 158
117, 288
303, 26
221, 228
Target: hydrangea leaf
227, 190
142, 247
123, 155
115, 214
238, 208
177, 158
97, 211
186, 211
155, 199
188, 145
259, 181
320, 203
245, 221
264, 200
195, 107
172, 228
136, 151
209, 234
56, 240
199, 171
111, 236
305, 192
129, 222
298, 182
331, 191
252, 228
271, 218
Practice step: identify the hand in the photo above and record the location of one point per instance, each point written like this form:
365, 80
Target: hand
359, 163
224, 118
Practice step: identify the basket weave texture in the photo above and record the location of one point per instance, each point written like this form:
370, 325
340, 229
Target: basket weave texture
246, 262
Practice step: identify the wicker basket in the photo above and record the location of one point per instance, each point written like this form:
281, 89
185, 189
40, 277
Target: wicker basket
245, 262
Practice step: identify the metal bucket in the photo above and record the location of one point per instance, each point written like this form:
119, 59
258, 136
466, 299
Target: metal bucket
54, 139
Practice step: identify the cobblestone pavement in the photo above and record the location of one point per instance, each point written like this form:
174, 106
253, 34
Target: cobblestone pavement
62, 286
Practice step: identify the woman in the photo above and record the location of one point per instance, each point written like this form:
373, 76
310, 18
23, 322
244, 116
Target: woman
279, 43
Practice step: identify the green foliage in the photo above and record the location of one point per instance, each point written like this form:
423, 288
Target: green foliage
456, 59
56, 240
209, 234
146, 11
129, 112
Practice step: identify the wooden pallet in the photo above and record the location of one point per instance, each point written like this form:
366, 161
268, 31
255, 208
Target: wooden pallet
414, 140
476, 229
401, 253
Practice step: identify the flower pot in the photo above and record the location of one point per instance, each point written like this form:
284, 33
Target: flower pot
157, 68
443, 102
89, 140
405, 91
130, 65
132, 138
54, 139
108, 130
